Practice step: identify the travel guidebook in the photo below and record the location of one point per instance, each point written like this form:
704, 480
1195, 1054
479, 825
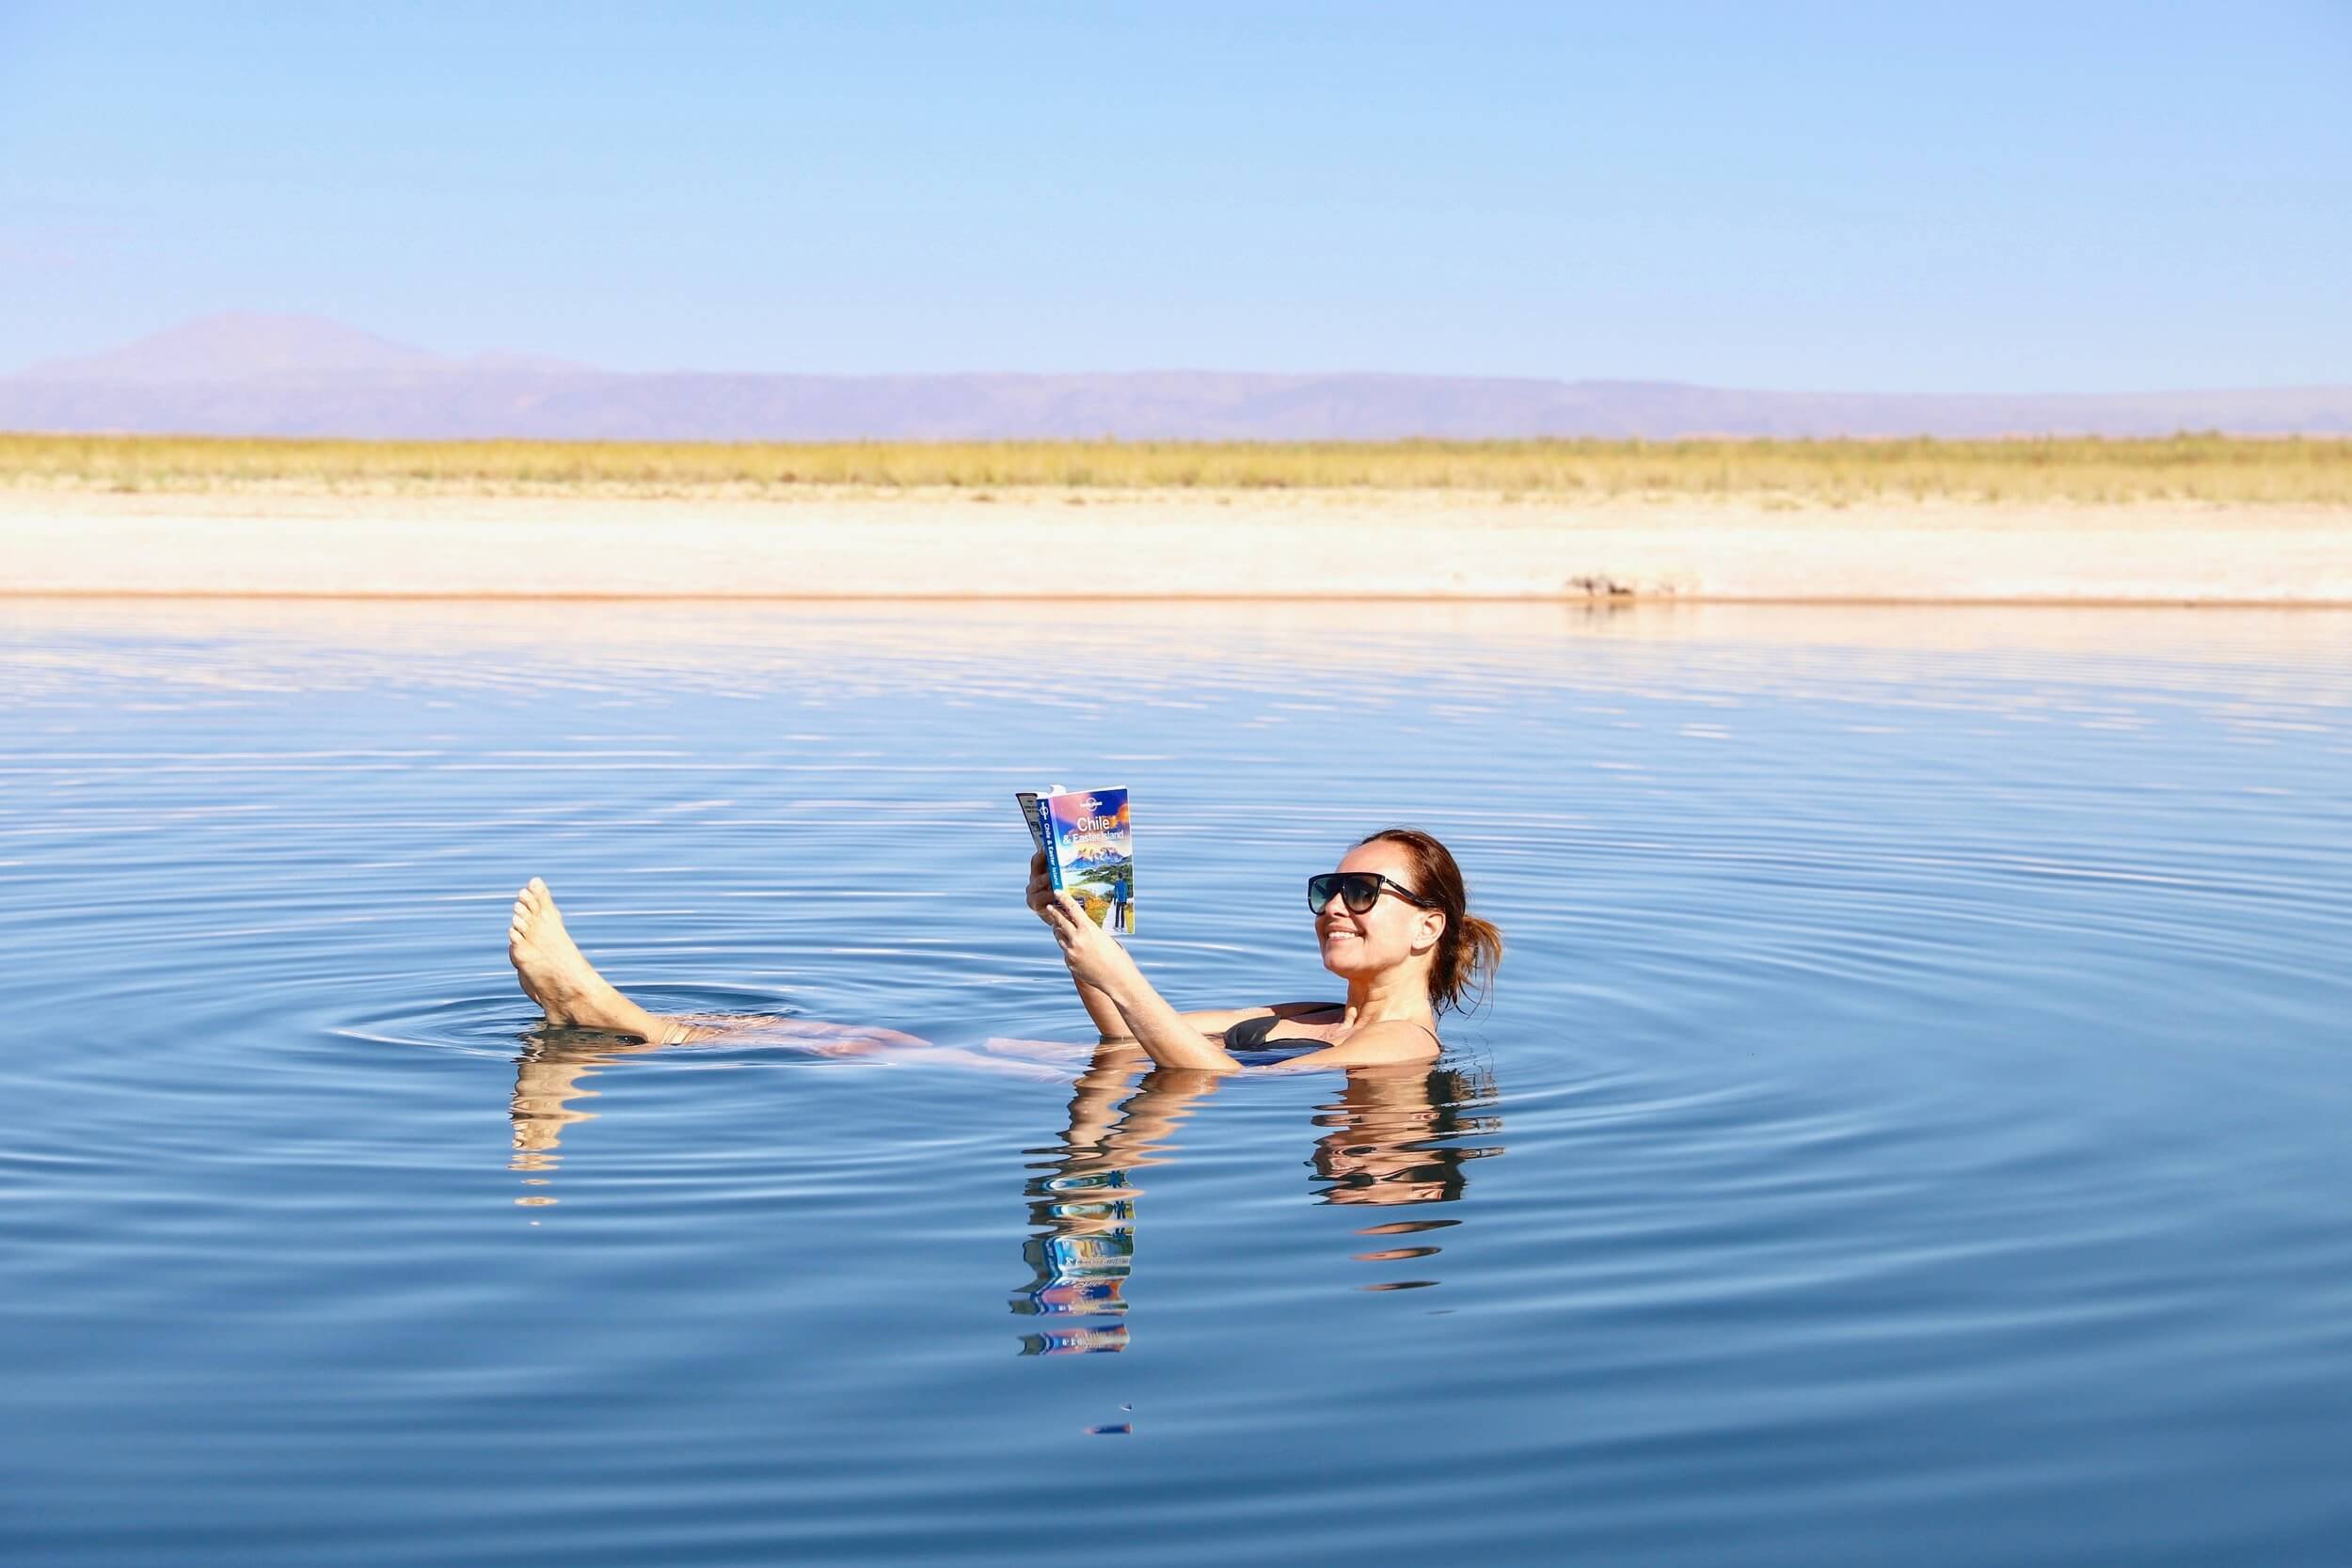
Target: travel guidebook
1088, 851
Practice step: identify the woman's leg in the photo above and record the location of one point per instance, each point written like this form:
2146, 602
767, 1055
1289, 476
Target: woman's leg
558, 976
566, 985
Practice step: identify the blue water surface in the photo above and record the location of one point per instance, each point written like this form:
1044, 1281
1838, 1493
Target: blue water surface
1913, 1125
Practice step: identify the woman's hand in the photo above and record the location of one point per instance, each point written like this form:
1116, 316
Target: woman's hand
1095, 958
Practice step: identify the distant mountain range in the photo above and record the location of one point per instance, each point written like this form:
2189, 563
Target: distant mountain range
301, 375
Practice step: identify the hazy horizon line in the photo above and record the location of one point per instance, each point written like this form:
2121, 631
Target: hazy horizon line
511, 360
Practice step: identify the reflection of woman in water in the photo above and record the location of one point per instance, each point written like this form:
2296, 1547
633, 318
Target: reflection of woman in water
1393, 1137
1393, 922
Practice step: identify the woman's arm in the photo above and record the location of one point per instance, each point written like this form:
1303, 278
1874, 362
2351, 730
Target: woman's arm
1100, 963
1107, 1023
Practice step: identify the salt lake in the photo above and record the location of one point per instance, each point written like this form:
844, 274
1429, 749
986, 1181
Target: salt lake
1909, 1125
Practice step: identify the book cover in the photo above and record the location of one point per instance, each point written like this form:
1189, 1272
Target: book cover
1088, 844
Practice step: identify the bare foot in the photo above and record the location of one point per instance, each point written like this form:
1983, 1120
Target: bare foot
558, 976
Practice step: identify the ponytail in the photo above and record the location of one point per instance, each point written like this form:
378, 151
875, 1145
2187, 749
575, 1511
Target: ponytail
1470, 950
1477, 956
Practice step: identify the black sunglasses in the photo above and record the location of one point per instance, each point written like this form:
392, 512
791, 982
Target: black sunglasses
1358, 890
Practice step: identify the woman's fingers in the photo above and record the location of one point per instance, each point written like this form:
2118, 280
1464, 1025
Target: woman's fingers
1070, 919
1063, 915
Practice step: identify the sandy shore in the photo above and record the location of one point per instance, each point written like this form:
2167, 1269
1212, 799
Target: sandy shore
1168, 544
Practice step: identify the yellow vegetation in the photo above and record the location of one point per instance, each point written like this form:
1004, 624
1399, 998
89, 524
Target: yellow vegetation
2186, 467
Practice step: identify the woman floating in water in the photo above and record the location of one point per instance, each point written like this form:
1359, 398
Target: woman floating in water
1393, 922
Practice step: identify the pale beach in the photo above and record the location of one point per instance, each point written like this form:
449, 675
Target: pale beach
853, 543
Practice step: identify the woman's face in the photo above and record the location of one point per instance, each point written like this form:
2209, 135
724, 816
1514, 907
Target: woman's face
1390, 933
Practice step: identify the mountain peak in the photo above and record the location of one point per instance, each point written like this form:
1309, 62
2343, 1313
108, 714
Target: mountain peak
243, 346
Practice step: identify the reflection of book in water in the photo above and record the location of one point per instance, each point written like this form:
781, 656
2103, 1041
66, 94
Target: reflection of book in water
1079, 1268
1075, 1341
1076, 1276
1089, 848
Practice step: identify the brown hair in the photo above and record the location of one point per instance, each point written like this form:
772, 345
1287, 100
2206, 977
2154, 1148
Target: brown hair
1471, 948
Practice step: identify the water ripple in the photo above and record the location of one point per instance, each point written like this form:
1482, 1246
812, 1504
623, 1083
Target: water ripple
1908, 1125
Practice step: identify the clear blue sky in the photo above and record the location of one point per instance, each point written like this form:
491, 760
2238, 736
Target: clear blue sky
1870, 197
